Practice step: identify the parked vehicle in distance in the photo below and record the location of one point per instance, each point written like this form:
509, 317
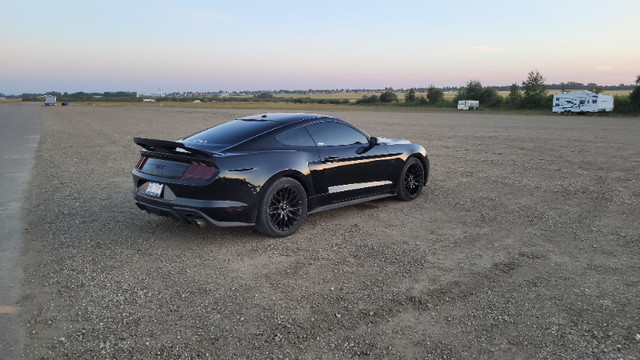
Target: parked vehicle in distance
581, 102
49, 100
272, 170
468, 104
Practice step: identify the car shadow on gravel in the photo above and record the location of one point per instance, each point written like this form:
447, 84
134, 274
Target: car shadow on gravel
178, 231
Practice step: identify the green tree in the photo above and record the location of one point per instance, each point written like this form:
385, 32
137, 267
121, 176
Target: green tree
535, 91
634, 97
410, 96
434, 95
472, 91
422, 100
596, 88
490, 97
515, 97
388, 96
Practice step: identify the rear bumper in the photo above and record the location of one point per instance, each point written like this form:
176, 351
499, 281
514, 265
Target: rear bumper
190, 211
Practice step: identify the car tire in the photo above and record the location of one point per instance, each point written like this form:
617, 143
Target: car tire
282, 209
411, 179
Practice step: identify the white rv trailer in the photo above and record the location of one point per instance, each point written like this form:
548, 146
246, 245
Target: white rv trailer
468, 104
581, 102
49, 100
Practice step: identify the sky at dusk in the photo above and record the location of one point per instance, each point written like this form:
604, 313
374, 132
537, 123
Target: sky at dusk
167, 46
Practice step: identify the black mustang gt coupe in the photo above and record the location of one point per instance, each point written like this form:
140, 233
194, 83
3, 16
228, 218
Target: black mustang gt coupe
271, 170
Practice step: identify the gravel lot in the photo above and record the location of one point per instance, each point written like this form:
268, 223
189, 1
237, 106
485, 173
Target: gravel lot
524, 245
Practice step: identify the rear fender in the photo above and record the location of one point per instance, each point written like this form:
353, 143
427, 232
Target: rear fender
296, 175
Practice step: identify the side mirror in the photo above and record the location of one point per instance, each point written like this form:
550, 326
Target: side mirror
373, 141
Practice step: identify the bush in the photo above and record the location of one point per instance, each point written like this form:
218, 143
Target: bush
264, 96
410, 96
303, 100
622, 105
628, 104
634, 98
368, 99
421, 100
388, 96
490, 98
434, 95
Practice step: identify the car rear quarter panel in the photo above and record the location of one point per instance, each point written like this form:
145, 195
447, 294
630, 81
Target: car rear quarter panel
248, 173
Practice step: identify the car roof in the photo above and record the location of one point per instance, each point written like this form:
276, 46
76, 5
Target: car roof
284, 118
253, 127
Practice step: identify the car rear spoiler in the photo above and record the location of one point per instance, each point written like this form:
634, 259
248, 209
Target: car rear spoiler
170, 147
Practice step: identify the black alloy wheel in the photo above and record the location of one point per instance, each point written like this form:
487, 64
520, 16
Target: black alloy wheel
411, 180
283, 208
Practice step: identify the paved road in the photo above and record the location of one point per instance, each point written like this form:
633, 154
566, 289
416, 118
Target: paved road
19, 129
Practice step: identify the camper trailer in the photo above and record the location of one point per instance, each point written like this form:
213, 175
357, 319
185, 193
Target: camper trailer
49, 100
468, 104
581, 102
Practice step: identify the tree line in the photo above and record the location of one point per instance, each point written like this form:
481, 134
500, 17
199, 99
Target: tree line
530, 94
83, 96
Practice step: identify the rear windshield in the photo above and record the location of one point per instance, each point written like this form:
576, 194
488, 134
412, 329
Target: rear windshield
230, 133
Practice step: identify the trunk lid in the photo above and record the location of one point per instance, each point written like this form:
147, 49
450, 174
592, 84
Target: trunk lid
174, 160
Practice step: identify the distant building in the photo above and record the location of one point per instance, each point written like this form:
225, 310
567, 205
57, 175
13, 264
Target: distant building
149, 100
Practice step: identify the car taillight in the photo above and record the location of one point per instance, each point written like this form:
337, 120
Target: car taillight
141, 162
200, 171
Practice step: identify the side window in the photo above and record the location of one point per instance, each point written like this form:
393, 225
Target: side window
335, 134
296, 137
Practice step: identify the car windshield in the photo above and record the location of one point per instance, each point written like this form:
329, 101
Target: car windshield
231, 132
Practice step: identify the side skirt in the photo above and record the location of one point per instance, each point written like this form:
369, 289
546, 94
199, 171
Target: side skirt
349, 203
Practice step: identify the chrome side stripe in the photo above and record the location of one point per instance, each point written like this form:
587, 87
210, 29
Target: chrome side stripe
339, 188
